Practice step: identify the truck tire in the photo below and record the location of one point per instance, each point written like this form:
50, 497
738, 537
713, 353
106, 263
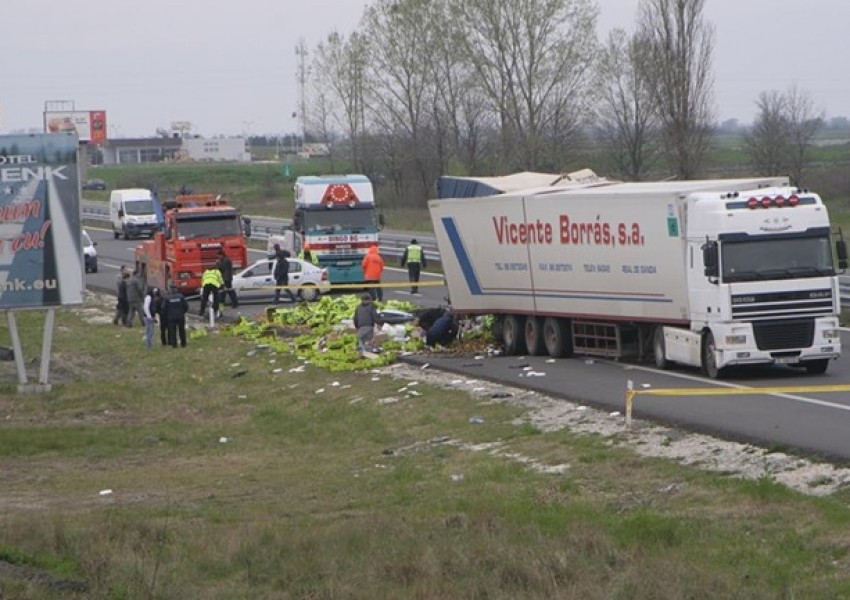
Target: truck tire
512, 334
816, 367
534, 341
659, 349
126, 234
557, 337
709, 361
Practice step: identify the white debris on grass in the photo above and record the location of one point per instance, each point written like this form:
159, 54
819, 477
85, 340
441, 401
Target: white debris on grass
645, 438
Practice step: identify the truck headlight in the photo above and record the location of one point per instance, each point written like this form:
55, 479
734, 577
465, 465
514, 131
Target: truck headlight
734, 340
831, 333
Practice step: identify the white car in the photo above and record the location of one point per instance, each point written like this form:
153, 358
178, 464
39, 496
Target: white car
89, 253
258, 279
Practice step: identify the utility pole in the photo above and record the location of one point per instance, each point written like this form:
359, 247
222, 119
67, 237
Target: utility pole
301, 76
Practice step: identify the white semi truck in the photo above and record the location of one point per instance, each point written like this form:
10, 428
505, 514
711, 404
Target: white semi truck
710, 273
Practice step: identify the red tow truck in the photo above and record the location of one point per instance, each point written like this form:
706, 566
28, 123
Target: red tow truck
195, 227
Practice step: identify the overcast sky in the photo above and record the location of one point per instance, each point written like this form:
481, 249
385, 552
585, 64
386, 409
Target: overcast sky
229, 67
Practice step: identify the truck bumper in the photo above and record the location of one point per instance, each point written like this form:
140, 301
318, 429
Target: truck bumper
737, 345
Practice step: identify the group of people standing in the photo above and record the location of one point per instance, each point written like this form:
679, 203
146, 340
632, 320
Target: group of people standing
153, 306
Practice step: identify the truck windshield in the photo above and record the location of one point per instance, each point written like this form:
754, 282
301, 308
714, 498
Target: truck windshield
786, 258
138, 207
329, 221
195, 227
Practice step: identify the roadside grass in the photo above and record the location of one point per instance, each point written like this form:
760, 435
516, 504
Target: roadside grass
233, 477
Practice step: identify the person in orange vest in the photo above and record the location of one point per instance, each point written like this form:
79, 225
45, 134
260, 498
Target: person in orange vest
373, 269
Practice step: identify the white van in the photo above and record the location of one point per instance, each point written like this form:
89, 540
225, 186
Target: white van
133, 213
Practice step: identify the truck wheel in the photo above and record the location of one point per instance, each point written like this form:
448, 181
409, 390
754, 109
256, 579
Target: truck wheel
309, 293
534, 341
659, 348
557, 338
512, 335
94, 266
126, 235
816, 367
116, 234
709, 360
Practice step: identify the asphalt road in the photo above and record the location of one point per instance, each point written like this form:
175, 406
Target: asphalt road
815, 422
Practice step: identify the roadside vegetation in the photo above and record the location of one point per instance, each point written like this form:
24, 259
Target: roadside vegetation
229, 470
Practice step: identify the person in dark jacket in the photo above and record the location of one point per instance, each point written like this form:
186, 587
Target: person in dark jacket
175, 308
365, 319
135, 298
414, 258
281, 274
159, 311
122, 305
225, 265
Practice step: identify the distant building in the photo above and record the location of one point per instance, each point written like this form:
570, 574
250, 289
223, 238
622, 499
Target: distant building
169, 149
217, 149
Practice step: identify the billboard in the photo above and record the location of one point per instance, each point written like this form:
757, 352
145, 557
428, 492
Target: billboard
41, 254
89, 125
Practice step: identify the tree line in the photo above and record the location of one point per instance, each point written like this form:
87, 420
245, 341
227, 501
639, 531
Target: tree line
425, 88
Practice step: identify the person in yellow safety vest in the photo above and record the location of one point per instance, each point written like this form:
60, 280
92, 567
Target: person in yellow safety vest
211, 283
414, 258
309, 256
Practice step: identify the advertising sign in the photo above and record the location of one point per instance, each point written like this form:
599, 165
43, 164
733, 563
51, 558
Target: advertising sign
41, 254
89, 125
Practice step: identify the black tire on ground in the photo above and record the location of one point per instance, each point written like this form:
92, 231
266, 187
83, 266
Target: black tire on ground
534, 341
94, 267
557, 337
659, 348
126, 235
816, 367
709, 361
116, 234
513, 335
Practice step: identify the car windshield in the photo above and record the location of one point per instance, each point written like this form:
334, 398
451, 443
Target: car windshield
786, 258
189, 227
138, 207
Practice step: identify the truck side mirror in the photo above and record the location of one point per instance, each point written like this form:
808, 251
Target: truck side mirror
246, 226
381, 221
841, 251
709, 259
120, 213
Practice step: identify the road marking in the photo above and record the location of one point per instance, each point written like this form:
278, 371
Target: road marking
754, 391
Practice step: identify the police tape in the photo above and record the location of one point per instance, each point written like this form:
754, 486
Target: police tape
631, 392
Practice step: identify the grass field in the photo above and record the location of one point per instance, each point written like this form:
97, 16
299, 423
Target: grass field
233, 476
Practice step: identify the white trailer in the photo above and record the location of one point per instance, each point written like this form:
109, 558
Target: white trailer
710, 273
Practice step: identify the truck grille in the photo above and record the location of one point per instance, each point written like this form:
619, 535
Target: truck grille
803, 303
791, 333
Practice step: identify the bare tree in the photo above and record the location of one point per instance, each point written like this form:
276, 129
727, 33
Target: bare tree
678, 68
768, 141
338, 73
627, 124
803, 124
532, 60
782, 132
